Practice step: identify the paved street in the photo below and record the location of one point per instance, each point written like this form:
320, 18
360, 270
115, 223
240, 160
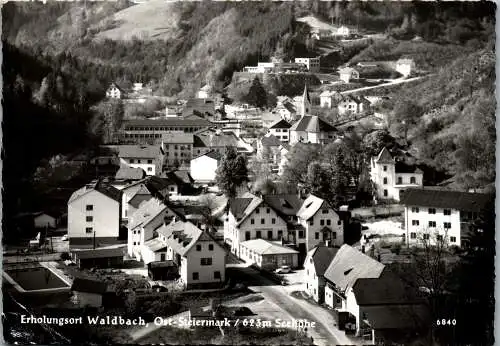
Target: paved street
325, 332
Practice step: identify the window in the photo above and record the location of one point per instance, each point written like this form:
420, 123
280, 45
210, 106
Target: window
415, 210
301, 234
447, 211
325, 211
90, 207
217, 274
311, 222
89, 230
439, 237
273, 221
385, 181
415, 222
150, 161
262, 221
247, 235
138, 161
150, 169
432, 224
196, 276
447, 225
269, 234
413, 180
257, 211
268, 210
385, 168
89, 218
198, 247
162, 257
453, 239
322, 222
280, 234
258, 235
206, 261
413, 235
328, 222
339, 222
432, 210
385, 193
252, 221
426, 236
316, 235
210, 247
131, 160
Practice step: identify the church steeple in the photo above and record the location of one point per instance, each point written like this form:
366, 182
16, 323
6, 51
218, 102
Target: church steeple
306, 102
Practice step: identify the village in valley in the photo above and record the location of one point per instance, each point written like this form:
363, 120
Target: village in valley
293, 203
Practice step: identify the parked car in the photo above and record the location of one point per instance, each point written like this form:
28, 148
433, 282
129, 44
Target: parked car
64, 237
283, 270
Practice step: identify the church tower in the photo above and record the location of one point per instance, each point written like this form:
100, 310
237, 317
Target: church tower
306, 102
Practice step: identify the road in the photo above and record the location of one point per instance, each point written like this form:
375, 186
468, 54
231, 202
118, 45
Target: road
394, 82
325, 332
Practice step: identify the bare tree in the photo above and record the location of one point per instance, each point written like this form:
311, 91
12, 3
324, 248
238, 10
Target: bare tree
208, 208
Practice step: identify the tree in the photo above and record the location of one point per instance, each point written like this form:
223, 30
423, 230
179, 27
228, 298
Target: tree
208, 207
107, 119
374, 142
299, 158
257, 95
232, 172
406, 116
264, 186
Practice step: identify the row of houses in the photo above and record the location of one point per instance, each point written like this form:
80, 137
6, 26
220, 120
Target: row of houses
300, 64
370, 300
403, 66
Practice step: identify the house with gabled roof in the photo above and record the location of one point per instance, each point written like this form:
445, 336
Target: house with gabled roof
328, 98
127, 175
391, 176
200, 260
436, 214
348, 73
88, 292
281, 130
147, 157
133, 195
143, 223
352, 104
114, 91
312, 129
317, 261
321, 223
268, 254
203, 167
94, 215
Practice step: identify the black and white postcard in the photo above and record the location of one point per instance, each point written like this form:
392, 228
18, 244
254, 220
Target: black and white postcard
248, 172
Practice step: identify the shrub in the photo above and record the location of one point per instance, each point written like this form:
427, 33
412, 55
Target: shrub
65, 256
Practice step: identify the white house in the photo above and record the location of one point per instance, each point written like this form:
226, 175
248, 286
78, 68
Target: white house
142, 225
312, 129
280, 130
267, 254
133, 195
94, 211
390, 177
345, 269
434, 215
329, 98
200, 260
347, 74
203, 167
88, 293
405, 66
312, 64
115, 92
283, 152
317, 261
342, 31
147, 157
352, 104
204, 92
321, 223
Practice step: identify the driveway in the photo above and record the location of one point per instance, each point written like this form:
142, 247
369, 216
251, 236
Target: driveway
324, 333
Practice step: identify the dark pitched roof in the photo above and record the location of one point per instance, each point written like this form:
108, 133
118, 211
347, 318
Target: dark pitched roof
129, 173
142, 151
99, 253
280, 124
313, 123
305, 95
270, 141
138, 199
284, 205
388, 289
237, 206
191, 120
89, 286
402, 167
172, 137
464, 201
385, 156
322, 257
109, 191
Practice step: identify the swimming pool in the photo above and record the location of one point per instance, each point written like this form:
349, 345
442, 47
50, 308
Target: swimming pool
36, 278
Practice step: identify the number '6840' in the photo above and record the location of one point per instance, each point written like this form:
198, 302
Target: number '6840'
445, 322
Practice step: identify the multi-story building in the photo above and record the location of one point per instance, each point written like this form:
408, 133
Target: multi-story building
434, 215
352, 104
317, 261
347, 74
329, 98
115, 92
178, 148
151, 130
321, 223
147, 157
94, 215
312, 129
132, 196
203, 167
281, 130
312, 64
200, 260
390, 177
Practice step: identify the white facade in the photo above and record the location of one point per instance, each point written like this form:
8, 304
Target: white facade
152, 166
203, 169
327, 99
347, 74
343, 31
405, 66
315, 226
312, 64
282, 134
270, 261
311, 280
429, 223
94, 212
348, 105
192, 264
113, 92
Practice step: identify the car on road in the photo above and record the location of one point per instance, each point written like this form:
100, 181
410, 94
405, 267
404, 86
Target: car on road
64, 237
283, 270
